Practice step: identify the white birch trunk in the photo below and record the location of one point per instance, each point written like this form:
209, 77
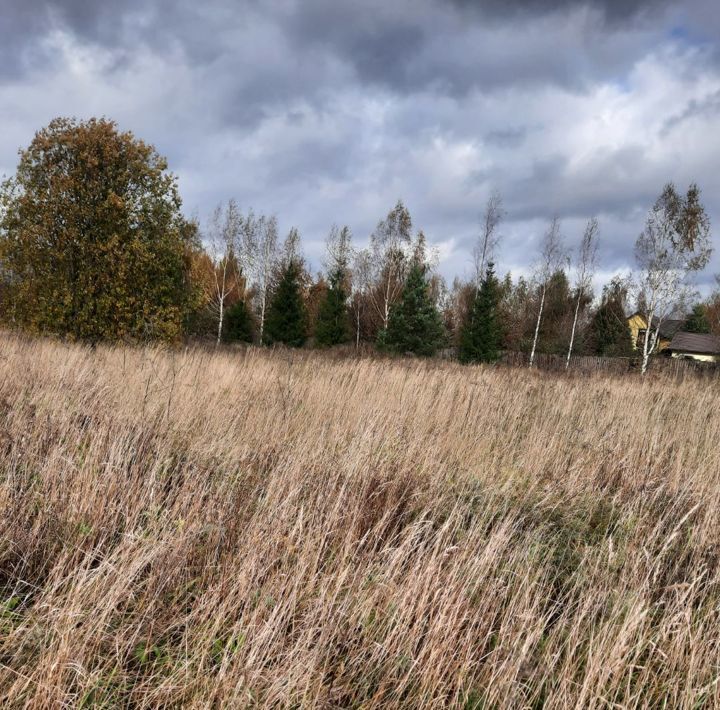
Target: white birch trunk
220, 321
647, 347
537, 327
572, 332
646, 354
263, 299
386, 309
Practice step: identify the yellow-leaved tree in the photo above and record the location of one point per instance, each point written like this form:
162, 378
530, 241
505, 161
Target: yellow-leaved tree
93, 245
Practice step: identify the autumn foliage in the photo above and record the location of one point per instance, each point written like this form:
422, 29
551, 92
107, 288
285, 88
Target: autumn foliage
93, 238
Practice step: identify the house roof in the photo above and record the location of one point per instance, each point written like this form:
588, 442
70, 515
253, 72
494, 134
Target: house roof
695, 343
670, 326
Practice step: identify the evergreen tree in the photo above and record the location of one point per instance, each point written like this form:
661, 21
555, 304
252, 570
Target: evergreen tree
557, 314
415, 325
238, 325
286, 318
333, 326
609, 332
314, 298
481, 333
698, 321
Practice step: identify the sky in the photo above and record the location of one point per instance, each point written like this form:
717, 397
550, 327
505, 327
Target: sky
329, 111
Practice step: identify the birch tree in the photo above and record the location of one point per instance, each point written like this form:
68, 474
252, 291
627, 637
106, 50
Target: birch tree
674, 245
587, 257
290, 251
362, 273
260, 255
222, 238
551, 257
389, 247
488, 238
428, 257
338, 247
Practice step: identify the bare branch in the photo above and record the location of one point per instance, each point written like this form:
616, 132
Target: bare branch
488, 239
552, 256
674, 245
587, 258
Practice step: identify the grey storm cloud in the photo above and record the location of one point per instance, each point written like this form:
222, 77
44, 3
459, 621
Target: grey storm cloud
708, 106
403, 45
612, 10
456, 46
327, 111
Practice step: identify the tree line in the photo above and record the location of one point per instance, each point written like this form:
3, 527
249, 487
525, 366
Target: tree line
94, 246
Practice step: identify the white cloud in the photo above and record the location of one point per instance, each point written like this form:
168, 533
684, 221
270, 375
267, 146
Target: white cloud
560, 112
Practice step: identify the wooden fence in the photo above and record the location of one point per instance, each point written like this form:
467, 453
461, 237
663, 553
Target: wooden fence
579, 363
587, 364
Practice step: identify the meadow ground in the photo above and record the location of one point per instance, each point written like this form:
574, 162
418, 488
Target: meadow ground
253, 529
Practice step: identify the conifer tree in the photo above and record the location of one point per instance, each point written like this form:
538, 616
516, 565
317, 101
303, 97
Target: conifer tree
238, 323
333, 326
609, 333
415, 325
698, 321
481, 333
286, 318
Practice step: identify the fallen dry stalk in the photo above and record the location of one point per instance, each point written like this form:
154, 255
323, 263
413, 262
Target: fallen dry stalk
251, 530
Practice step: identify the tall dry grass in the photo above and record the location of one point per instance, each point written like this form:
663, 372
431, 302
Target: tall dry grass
265, 530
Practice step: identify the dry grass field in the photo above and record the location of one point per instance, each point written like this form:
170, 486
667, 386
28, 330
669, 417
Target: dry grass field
253, 529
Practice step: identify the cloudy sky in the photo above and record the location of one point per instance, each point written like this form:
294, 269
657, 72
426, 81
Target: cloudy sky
328, 111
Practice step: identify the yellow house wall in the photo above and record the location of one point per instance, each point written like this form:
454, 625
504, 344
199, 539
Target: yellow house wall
638, 323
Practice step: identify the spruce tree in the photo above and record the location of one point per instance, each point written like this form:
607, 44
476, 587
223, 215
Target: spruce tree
333, 326
415, 325
609, 332
238, 323
286, 318
698, 321
481, 332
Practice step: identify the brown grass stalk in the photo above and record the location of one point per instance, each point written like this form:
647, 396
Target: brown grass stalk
247, 529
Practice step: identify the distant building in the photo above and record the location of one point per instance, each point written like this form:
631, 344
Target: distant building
695, 346
637, 324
